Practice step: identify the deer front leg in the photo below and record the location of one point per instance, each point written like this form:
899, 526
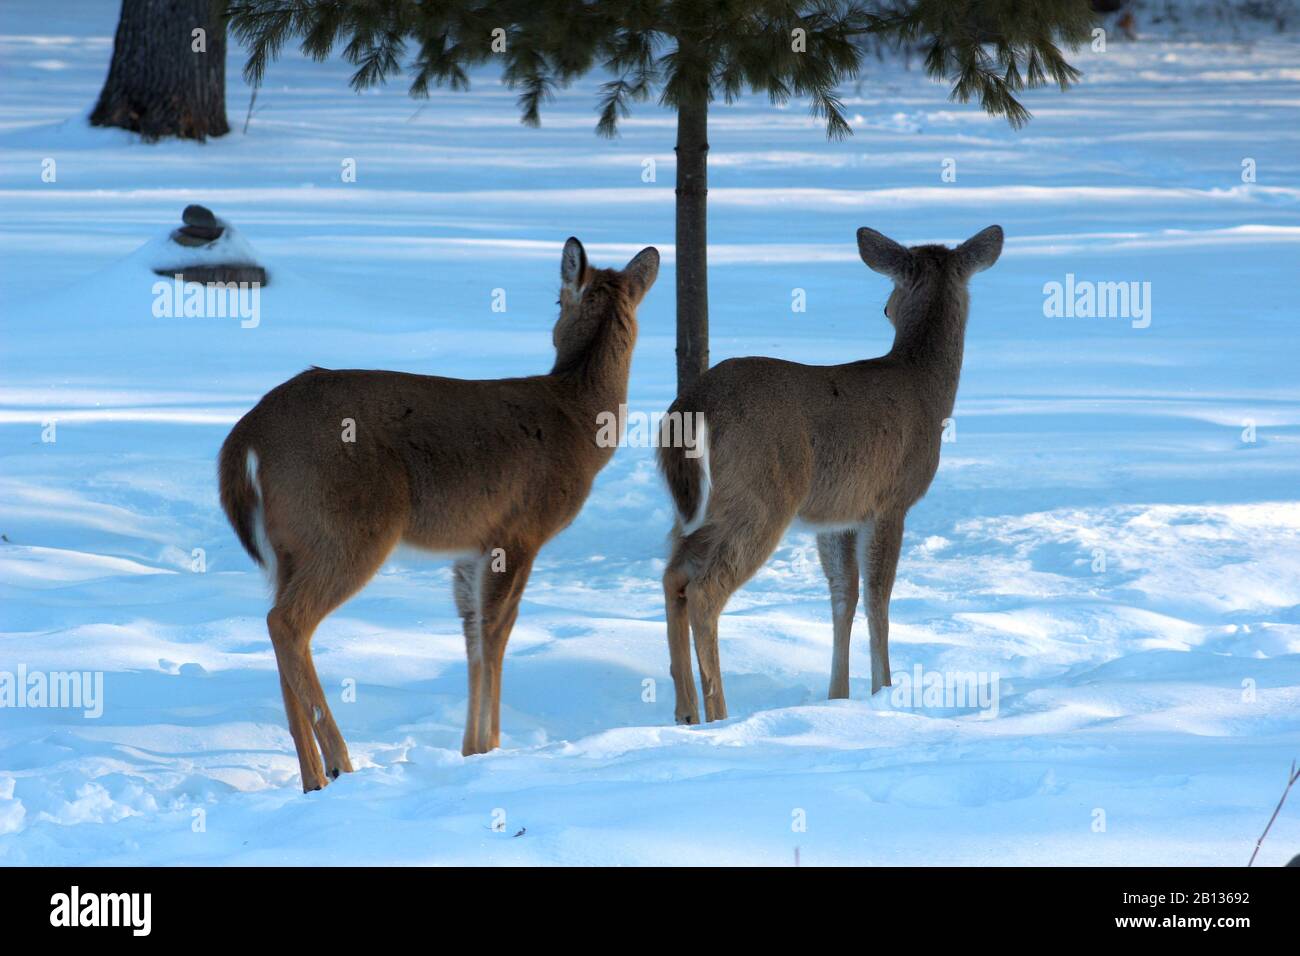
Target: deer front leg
881, 560
838, 551
500, 590
466, 577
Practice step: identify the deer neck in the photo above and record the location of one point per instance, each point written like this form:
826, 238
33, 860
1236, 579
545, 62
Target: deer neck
594, 379
931, 338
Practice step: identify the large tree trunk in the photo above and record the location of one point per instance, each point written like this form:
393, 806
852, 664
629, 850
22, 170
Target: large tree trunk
158, 83
692, 243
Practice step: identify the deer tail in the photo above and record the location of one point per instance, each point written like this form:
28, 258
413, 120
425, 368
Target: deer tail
686, 470
241, 497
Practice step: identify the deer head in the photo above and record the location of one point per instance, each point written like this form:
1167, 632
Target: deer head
919, 269
590, 297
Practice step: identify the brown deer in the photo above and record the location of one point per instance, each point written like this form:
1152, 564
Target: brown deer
332, 469
848, 449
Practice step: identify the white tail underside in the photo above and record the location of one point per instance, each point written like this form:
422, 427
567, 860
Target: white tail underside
263, 543
706, 484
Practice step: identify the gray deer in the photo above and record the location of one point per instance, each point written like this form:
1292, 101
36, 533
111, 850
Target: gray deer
487, 471
848, 449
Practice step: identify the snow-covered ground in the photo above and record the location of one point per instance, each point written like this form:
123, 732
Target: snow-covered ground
1105, 545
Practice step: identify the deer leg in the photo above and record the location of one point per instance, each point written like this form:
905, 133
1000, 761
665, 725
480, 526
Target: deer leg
704, 607
309, 764
839, 556
332, 745
466, 577
686, 710
494, 662
725, 554
293, 652
500, 592
308, 589
283, 638
881, 560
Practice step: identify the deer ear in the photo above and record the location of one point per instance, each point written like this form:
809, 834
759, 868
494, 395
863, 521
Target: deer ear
573, 263
642, 271
981, 250
882, 254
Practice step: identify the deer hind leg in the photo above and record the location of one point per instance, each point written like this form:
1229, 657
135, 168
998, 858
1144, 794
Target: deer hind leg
309, 763
880, 556
839, 555
686, 710
333, 747
500, 590
732, 550
303, 700
308, 591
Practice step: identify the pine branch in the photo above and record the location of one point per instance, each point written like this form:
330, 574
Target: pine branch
990, 49
686, 50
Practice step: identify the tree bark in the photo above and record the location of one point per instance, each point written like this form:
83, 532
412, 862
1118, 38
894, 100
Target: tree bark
692, 243
158, 84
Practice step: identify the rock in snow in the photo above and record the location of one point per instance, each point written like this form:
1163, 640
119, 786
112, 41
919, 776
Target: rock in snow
203, 230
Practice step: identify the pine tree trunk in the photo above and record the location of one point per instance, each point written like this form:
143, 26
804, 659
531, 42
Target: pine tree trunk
692, 243
158, 83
